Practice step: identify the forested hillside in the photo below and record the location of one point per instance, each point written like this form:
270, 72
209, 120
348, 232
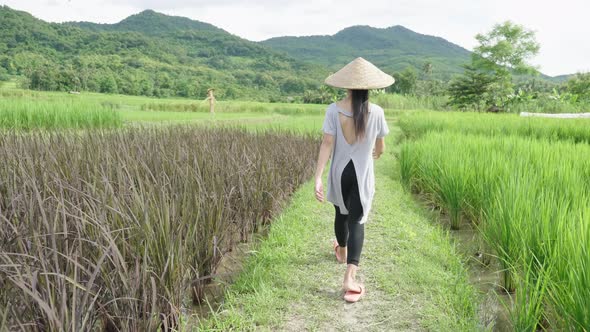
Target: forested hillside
147, 54
153, 54
150, 22
392, 49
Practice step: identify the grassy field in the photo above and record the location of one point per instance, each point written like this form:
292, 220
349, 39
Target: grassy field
23, 109
525, 186
414, 277
21, 114
96, 218
416, 124
523, 183
402, 102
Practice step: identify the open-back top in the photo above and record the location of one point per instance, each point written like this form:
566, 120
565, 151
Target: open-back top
360, 152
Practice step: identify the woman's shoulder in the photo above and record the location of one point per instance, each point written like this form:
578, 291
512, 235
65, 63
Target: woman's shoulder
332, 108
376, 108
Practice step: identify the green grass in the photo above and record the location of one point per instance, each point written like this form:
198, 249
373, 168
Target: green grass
25, 109
140, 103
302, 124
21, 114
418, 123
529, 199
408, 102
233, 107
145, 109
414, 277
10, 84
170, 117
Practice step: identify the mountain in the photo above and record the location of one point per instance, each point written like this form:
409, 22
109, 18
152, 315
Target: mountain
561, 78
148, 54
392, 49
150, 22
153, 54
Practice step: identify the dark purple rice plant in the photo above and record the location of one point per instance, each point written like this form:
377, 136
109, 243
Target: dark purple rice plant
114, 229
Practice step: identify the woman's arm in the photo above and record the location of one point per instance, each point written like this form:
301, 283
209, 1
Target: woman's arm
323, 157
379, 148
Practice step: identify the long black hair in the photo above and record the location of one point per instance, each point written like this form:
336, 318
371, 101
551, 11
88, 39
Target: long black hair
360, 107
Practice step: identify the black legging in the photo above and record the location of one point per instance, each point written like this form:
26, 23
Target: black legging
347, 227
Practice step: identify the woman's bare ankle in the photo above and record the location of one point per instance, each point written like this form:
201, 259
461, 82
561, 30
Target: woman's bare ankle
349, 278
343, 252
350, 285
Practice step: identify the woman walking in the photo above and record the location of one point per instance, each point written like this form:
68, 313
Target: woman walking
354, 132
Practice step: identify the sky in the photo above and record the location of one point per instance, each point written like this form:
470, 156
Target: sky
560, 26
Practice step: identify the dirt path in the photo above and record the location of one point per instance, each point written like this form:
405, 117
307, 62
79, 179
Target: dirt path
399, 297
414, 279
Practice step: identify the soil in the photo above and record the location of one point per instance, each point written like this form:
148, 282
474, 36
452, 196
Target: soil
226, 272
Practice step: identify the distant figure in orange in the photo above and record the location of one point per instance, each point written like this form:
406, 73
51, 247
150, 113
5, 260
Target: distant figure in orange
211, 99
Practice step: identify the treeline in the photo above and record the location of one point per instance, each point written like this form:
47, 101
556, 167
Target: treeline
488, 81
499, 78
143, 76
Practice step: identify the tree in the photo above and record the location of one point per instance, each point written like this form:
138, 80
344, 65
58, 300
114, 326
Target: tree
108, 84
405, 82
324, 95
432, 87
488, 79
505, 49
292, 85
580, 86
427, 70
43, 78
4, 75
469, 90
7, 64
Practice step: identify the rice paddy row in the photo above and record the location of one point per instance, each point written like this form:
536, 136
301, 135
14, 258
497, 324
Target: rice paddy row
27, 110
529, 199
416, 124
22, 114
113, 230
80, 112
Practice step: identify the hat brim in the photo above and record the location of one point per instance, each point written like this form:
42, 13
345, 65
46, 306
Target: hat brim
376, 86
360, 74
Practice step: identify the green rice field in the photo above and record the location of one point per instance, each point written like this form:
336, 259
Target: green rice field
525, 186
116, 213
19, 114
416, 124
26, 110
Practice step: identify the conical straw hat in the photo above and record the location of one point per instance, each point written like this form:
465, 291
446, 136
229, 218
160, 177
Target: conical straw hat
360, 74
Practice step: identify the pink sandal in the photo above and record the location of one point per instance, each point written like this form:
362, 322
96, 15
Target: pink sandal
336, 253
354, 296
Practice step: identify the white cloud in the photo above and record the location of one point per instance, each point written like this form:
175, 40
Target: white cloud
560, 26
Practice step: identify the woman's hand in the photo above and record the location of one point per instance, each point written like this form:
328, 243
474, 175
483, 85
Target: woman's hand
379, 148
319, 190
376, 154
324, 155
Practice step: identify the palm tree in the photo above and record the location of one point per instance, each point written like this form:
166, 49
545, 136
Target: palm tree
427, 69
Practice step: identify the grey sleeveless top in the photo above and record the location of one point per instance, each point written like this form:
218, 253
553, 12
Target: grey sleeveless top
361, 154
